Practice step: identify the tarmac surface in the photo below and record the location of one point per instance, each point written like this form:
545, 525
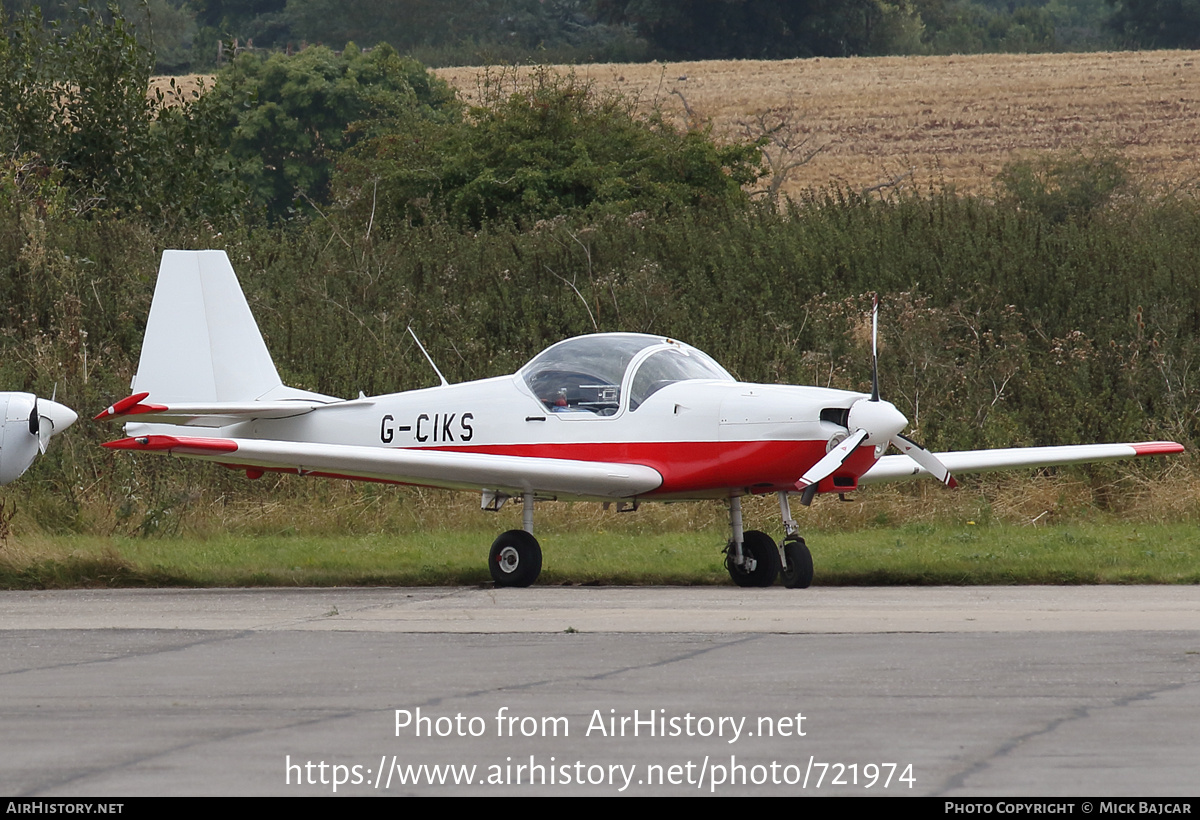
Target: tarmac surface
964, 692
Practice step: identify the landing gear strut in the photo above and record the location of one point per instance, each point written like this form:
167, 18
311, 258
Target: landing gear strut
797, 565
751, 558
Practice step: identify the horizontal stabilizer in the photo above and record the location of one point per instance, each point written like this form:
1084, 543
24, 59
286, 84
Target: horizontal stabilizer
426, 466
214, 414
898, 468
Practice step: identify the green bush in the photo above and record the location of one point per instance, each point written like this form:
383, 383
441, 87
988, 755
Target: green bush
554, 145
1070, 186
286, 118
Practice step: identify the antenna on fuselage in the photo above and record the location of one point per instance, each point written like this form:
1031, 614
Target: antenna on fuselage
428, 358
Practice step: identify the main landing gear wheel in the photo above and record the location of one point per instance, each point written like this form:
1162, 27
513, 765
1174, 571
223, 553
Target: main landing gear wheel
798, 573
515, 559
759, 548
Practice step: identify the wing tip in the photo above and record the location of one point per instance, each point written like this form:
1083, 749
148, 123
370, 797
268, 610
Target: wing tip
182, 444
1157, 448
129, 406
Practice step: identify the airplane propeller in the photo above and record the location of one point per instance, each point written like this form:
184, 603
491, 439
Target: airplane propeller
874, 422
25, 435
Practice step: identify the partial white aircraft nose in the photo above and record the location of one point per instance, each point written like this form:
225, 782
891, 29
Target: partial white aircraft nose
26, 426
60, 415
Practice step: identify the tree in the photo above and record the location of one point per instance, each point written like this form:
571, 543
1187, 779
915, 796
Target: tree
466, 33
553, 146
287, 117
1157, 23
165, 27
74, 99
767, 29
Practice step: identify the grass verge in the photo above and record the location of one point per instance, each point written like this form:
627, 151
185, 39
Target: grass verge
919, 553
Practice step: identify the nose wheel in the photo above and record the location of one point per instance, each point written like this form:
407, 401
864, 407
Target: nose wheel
797, 571
753, 559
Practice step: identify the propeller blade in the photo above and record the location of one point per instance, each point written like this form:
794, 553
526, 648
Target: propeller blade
926, 459
875, 347
38, 428
828, 465
44, 431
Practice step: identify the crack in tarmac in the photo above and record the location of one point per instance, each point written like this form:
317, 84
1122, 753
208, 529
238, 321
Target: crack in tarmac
959, 781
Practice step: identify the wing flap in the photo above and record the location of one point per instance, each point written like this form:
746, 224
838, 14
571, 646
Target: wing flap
899, 468
427, 466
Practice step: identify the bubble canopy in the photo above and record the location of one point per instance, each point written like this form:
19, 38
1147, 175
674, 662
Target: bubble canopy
592, 374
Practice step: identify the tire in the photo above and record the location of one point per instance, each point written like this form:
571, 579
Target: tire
515, 559
761, 547
798, 573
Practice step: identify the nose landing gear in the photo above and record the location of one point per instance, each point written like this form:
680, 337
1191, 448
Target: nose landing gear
753, 559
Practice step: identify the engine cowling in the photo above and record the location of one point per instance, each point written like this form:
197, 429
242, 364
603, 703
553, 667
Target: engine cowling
26, 425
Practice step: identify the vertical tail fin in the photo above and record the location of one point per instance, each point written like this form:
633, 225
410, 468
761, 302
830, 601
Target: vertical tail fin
201, 342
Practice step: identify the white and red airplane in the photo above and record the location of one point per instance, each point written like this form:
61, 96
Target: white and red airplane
26, 426
622, 417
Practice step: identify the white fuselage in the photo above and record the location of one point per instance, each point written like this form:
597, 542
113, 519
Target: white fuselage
706, 438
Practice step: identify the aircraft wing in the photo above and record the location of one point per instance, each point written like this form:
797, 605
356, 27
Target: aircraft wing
436, 468
899, 468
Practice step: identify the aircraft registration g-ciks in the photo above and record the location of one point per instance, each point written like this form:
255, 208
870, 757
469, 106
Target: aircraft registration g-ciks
621, 417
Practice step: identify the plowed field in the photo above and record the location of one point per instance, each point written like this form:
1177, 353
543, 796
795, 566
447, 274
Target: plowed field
955, 120
928, 120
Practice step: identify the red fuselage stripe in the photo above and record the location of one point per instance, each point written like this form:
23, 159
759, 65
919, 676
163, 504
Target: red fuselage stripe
696, 466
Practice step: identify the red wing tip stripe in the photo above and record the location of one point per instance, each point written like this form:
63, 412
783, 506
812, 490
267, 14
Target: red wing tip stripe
1157, 448
146, 408
133, 410
193, 446
129, 404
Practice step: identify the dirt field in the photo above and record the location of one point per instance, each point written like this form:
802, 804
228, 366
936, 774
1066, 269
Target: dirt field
922, 120
954, 119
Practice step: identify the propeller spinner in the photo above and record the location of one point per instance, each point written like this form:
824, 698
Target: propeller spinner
873, 422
